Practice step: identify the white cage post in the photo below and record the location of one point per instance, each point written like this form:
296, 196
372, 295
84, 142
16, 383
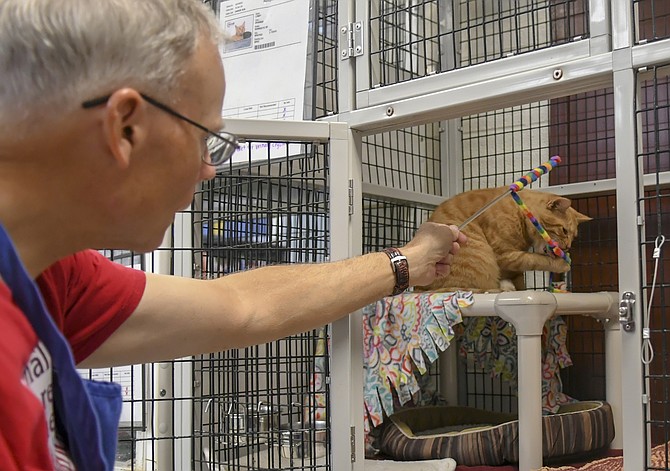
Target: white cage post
627, 195
173, 381
528, 311
347, 351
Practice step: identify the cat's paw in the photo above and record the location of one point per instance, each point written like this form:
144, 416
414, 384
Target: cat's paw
507, 285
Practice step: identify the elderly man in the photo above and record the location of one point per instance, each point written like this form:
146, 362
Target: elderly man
111, 113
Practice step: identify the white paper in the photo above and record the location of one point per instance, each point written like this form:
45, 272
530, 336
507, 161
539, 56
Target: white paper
265, 60
265, 57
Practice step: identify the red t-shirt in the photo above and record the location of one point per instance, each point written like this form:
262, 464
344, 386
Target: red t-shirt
88, 297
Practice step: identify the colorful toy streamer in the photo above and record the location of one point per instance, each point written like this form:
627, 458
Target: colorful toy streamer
526, 180
534, 174
550, 242
519, 185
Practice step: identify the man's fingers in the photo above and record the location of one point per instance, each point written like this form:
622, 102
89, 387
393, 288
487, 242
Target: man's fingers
446, 260
458, 235
442, 269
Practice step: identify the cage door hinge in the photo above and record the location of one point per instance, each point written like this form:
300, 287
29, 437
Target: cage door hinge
351, 40
352, 438
351, 197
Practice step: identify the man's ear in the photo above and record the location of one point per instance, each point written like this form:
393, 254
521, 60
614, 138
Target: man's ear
125, 124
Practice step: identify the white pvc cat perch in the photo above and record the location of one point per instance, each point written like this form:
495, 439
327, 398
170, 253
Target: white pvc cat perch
528, 311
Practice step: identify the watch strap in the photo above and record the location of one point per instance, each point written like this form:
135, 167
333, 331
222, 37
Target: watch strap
400, 269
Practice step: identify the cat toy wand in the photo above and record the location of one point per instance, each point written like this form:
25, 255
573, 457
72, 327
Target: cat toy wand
518, 185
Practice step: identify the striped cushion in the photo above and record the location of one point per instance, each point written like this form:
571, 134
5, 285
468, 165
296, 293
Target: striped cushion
490, 438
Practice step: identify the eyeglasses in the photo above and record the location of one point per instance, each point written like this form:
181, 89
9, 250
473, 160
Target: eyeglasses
221, 145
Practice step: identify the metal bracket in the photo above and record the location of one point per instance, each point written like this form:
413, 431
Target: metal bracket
351, 40
626, 311
353, 444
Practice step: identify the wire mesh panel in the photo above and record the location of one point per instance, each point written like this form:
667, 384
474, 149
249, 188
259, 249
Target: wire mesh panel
325, 59
406, 159
134, 382
652, 20
271, 208
390, 223
582, 130
404, 40
595, 258
478, 388
416, 38
264, 407
478, 384
654, 152
500, 145
594, 268
259, 408
653, 159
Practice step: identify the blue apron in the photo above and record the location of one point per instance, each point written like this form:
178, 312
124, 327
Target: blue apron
87, 412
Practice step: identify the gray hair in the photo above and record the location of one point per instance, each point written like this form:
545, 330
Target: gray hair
56, 54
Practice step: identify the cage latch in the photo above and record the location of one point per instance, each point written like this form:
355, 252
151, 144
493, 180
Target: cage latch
626, 311
351, 40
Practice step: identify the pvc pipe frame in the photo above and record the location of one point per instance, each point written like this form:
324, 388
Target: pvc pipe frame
528, 311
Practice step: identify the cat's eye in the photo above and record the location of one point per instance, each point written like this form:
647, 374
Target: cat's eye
565, 231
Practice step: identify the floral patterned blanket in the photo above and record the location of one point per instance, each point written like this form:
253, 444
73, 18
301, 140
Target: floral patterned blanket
400, 334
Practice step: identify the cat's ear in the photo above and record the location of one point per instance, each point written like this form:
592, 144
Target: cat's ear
558, 204
581, 217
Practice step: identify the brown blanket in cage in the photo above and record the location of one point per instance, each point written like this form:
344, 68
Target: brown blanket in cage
476, 437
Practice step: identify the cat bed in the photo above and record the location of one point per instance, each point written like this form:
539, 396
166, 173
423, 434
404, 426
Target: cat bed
475, 437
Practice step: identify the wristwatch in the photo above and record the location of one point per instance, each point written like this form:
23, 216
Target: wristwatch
400, 268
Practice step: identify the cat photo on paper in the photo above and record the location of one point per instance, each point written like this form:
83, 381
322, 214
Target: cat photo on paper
238, 33
241, 32
497, 253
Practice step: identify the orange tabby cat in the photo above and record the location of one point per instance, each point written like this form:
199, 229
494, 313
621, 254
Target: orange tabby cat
240, 32
496, 255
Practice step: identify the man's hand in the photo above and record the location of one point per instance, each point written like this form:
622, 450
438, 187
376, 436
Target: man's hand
431, 252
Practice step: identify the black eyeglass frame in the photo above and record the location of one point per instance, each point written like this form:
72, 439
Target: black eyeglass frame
232, 140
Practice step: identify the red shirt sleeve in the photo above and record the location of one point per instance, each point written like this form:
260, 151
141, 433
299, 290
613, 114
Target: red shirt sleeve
89, 297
